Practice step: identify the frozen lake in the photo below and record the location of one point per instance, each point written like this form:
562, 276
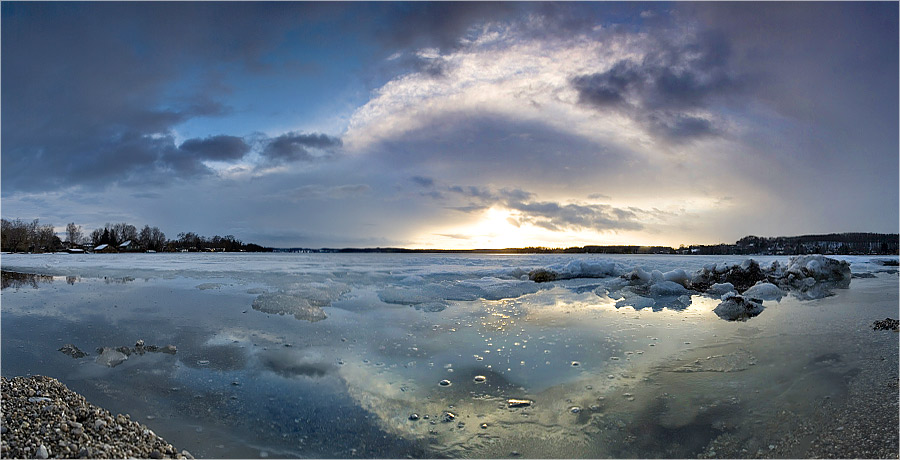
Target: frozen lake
378, 355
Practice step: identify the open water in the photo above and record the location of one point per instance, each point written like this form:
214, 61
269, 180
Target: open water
377, 355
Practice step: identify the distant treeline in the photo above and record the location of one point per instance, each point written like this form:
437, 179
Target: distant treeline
20, 236
833, 243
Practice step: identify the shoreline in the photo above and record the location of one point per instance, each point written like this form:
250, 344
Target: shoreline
42, 418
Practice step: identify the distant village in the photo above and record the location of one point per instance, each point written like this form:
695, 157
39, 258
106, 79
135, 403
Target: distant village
32, 237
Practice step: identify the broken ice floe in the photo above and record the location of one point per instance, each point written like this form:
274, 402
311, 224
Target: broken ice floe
304, 302
288, 304
805, 277
436, 296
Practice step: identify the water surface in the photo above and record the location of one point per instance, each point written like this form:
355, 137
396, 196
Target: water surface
343, 355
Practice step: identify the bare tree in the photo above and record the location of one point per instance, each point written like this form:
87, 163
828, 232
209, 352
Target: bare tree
46, 239
157, 239
124, 232
144, 238
74, 235
14, 235
96, 237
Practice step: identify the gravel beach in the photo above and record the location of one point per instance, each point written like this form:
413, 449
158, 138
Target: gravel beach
43, 419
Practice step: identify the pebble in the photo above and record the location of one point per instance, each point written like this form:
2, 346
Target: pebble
54, 431
480, 378
444, 383
413, 416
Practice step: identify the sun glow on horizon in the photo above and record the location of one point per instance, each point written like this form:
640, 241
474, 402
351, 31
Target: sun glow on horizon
499, 228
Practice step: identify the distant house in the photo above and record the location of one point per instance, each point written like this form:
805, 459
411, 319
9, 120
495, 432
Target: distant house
128, 246
75, 251
104, 248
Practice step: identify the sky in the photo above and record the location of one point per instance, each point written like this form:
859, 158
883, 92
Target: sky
453, 125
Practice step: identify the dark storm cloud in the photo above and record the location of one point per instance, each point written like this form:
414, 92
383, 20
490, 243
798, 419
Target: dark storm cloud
671, 80
220, 148
422, 181
89, 89
676, 126
292, 147
436, 24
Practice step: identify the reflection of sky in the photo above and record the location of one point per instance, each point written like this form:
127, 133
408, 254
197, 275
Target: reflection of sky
370, 364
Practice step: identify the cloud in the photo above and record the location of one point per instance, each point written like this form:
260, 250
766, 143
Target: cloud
679, 126
668, 90
565, 217
308, 192
426, 182
293, 146
551, 215
217, 148
93, 94
438, 24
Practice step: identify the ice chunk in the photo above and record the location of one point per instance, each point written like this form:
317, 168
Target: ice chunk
402, 296
638, 276
667, 288
764, 291
819, 267
574, 269
677, 276
738, 308
720, 289
635, 301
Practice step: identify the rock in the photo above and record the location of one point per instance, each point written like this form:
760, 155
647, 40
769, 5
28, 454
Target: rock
42, 452
169, 349
72, 350
110, 357
741, 277
125, 350
887, 324
542, 275
738, 308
